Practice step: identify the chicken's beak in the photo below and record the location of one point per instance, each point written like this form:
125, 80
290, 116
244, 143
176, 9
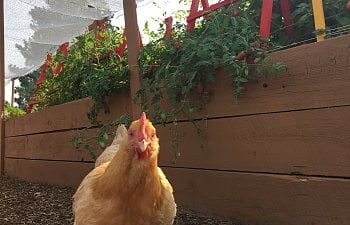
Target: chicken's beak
143, 145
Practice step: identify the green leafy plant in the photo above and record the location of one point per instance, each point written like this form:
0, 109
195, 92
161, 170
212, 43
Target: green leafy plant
27, 88
337, 19
101, 137
12, 111
81, 77
178, 70
86, 72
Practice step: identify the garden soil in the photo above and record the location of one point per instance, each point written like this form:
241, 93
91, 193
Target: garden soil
32, 203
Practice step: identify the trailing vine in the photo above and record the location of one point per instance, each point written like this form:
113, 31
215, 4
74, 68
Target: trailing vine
178, 70
86, 73
103, 133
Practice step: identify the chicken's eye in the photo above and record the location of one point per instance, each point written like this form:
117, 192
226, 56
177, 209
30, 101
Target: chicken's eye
131, 134
153, 135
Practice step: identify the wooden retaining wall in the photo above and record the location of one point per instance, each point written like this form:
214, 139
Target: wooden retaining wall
281, 157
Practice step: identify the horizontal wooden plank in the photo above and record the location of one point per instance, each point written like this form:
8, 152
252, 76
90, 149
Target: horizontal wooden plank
263, 199
308, 142
65, 116
315, 78
311, 50
246, 197
52, 172
50, 146
313, 142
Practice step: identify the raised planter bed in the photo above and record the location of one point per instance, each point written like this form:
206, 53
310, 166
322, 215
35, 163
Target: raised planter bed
281, 156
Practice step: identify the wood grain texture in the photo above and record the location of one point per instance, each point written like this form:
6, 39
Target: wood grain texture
50, 146
263, 199
316, 78
65, 116
245, 197
133, 39
52, 172
315, 142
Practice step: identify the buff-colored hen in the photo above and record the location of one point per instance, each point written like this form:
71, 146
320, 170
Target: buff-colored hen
130, 189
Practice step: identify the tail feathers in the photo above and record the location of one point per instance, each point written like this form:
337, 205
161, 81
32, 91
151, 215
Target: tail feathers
108, 154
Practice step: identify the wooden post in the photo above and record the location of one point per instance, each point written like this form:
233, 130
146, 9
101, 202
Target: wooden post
320, 23
2, 90
13, 91
132, 38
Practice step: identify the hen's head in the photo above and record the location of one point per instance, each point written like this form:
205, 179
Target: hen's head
143, 139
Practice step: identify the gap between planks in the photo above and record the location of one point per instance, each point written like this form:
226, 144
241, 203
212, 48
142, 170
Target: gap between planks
183, 121
206, 169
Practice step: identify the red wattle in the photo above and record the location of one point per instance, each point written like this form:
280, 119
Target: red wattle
144, 155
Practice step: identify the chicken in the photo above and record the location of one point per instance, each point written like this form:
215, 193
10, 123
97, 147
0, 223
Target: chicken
130, 189
108, 154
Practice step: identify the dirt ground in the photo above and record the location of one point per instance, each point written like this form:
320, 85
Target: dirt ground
31, 203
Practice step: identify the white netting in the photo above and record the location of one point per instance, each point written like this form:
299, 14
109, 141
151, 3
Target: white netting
35, 27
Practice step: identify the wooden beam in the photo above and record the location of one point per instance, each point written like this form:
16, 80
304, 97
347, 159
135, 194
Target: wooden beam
13, 91
320, 23
2, 89
132, 37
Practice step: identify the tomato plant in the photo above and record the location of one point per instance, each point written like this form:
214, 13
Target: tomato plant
179, 70
183, 65
85, 73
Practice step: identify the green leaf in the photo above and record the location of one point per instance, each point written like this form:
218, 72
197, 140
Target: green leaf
257, 60
90, 150
102, 144
90, 44
105, 136
163, 116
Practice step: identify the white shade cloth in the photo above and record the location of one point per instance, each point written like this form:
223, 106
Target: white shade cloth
35, 27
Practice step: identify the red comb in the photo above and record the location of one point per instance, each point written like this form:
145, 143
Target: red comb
143, 118
143, 126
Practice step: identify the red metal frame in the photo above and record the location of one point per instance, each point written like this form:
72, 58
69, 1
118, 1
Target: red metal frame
121, 48
285, 10
265, 21
168, 27
195, 14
